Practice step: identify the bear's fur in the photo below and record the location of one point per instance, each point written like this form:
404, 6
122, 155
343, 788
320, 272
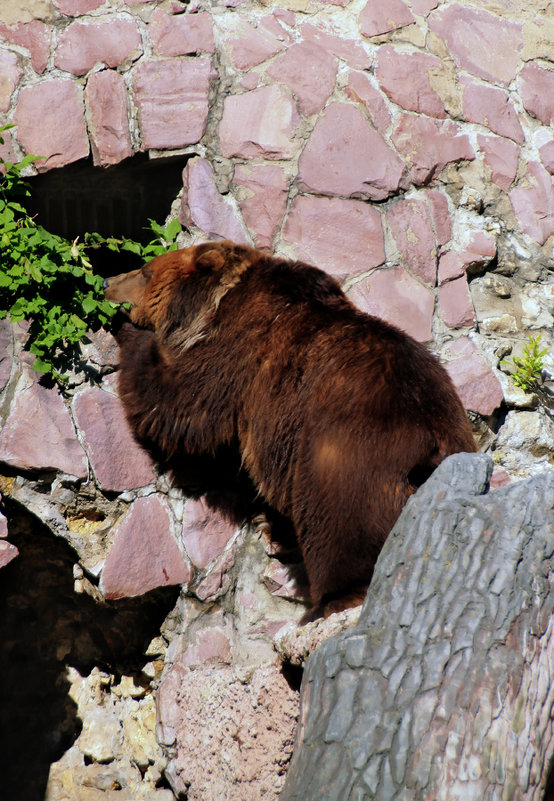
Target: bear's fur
256, 379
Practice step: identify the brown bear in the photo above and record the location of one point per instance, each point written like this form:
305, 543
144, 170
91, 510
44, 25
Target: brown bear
255, 377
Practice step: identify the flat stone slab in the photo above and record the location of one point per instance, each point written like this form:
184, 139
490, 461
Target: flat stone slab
84, 44
39, 434
263, 199
341, 236
346, 156
144, 554
398, 298
412, 228
479, 389
50, 119
480, 43
106, 101
8, 552
117, 461
260, 123
172, 99
533, 203
205, 533
309, 71
11, 72
203, 205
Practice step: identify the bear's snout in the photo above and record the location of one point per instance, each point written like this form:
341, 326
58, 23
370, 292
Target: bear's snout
125, 288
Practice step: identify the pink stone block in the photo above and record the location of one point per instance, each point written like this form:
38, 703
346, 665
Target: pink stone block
344, 237
502, 156
483, 245
263, 210
480, 43
348, 50
35, 37
398, 298
10, 73
250, 81
82, 45
537, 92
480, 251
452, 265
211, 645
477, 386
74, 8
440, 214
50, 119
455, 306
3, 525
205, 532
429, 145
144, 554
38, 433
217, 580
287, 581
106, 102
491, 107
260, 123
7, 553
410, 223
346, 156
423, 7
172, 99
405, 77
362, 91
253, 45
117, 461
546, 152
182, 34
310, 73
533, 203
285, 15
202, 204
378, 17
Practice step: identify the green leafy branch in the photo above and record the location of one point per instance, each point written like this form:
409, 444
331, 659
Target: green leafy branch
49, 280
528, 367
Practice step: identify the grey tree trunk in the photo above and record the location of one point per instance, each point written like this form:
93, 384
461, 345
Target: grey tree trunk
444, 690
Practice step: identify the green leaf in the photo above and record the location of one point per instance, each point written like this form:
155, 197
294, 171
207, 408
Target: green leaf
172, 230
132, 247
156, 227
35, 272
42, 366
89, 304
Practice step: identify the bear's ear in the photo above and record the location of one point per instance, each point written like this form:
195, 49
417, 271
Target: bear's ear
210, 259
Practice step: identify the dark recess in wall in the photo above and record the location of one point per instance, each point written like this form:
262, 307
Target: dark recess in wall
44, 628
112, 201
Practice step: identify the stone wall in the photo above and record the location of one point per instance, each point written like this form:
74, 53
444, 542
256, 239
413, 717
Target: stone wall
410, 154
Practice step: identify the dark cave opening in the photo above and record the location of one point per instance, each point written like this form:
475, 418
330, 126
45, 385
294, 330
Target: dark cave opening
112, 201
45, 627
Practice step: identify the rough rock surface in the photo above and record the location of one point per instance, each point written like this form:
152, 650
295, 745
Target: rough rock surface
442, 689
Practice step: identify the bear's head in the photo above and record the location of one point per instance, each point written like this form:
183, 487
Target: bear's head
177, 294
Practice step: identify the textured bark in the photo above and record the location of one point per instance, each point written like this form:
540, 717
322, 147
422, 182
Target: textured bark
444, 688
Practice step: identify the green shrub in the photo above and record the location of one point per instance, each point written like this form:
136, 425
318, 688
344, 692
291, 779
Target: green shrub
49, 280
528, 367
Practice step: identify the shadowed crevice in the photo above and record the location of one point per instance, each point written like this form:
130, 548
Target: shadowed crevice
44, 628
